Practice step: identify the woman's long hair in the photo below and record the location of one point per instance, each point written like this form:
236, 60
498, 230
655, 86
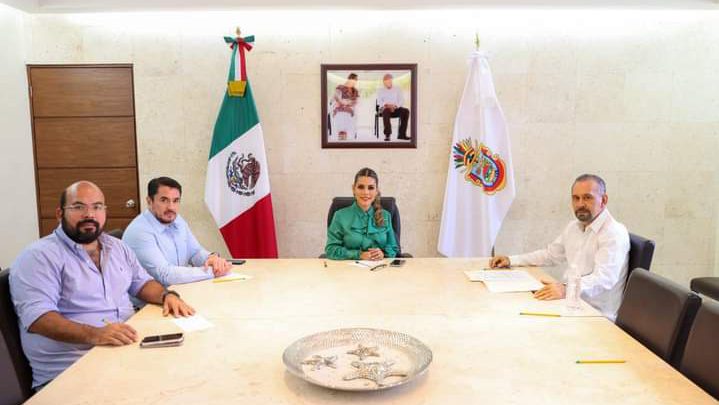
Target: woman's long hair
377, 203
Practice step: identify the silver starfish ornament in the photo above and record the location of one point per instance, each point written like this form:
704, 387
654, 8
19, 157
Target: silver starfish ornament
375, 371
363, 351
317, 362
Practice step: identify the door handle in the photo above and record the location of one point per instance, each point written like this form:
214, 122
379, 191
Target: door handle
130, 203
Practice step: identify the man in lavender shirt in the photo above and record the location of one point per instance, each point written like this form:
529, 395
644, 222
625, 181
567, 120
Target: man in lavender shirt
71, 289
163, 242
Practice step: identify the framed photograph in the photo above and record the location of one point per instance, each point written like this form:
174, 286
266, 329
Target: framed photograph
369, 106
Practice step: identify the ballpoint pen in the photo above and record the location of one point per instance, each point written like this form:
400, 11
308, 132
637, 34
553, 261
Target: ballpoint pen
379, 266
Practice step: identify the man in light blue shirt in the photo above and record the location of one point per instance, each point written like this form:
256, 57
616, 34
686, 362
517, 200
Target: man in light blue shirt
71, 289
163, 242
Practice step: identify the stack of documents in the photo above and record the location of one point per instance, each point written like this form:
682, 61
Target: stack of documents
498, 281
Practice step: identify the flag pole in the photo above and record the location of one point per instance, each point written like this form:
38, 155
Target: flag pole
476, 41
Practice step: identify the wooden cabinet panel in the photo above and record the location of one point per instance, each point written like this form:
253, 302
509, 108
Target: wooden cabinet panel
75, 91
85, 142
47, 225
119, 186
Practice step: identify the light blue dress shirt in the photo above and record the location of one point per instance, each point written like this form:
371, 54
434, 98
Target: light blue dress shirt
56, 274
169, 252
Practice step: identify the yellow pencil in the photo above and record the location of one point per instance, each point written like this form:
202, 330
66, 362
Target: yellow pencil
600, 361
222, 280
540, 314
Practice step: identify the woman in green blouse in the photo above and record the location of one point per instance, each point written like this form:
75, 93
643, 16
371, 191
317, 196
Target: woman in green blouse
363, 230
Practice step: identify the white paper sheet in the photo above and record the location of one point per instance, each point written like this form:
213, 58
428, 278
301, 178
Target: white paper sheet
368, 264
498, 281
193, 323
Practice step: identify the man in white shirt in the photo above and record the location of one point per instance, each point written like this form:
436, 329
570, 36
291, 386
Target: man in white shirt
390, 101
596, 243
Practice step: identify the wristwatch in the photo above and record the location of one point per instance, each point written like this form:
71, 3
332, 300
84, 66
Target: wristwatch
164, 294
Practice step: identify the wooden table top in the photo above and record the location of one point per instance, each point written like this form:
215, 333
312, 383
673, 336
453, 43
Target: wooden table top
484, 351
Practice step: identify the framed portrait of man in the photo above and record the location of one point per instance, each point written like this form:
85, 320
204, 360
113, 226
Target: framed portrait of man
369, 105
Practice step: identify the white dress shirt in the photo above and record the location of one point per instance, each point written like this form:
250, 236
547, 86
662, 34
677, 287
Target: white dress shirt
600, 252
392, 95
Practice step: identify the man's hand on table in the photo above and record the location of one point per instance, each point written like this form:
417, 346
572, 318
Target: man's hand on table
176, 307
220, 266
499, 262
113, 334
550, 291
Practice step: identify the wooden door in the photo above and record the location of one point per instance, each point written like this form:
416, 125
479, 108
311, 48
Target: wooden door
83, 120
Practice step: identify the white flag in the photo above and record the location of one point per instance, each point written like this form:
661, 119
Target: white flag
480, 180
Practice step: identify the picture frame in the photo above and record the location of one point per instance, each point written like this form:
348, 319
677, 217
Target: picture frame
369, 105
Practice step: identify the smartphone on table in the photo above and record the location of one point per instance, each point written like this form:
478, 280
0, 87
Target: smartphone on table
237, 262
396, 262
168, 340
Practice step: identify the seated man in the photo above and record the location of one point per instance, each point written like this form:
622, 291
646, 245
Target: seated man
596, 243
390, 101
163, 242
71, 289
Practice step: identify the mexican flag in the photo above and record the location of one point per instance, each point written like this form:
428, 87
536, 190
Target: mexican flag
237, 189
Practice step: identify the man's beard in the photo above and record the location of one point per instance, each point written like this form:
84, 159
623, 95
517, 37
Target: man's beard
583, 215
79, 236
163, 220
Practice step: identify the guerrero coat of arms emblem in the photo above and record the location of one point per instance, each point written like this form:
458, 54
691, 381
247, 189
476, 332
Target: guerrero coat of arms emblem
480, 166
242, 173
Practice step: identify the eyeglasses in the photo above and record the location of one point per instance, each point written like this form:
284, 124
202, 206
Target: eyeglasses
84, 209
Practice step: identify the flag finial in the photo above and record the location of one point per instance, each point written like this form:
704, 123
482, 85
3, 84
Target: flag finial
476, 41
238, 31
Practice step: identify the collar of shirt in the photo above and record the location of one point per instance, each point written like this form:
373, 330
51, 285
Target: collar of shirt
78, 248
158, 226
597, 224
360, 211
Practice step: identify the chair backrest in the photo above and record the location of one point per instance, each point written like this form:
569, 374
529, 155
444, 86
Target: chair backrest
641, 251
700, 362
388, 203
707, 286
15, 372
658, 313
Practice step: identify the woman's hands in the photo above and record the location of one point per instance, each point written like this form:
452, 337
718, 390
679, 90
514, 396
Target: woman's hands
372, 254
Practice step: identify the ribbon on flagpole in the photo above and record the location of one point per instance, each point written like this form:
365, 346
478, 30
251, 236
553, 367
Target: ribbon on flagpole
239, 45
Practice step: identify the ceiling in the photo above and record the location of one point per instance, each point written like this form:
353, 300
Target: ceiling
80, 6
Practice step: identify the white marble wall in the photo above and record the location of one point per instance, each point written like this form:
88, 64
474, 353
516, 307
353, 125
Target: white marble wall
632, 96
18, 210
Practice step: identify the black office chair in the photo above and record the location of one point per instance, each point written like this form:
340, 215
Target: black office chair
700, 362
641, 252
15, 372
388, 203
708, 286
658, 313
117, 232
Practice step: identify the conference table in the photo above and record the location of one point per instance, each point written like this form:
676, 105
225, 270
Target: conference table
484, 351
